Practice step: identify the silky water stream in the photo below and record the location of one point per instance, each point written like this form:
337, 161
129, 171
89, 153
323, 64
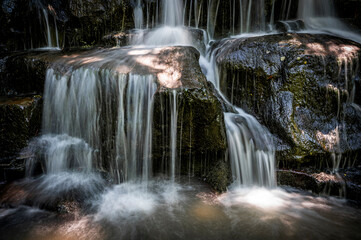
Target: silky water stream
79, 130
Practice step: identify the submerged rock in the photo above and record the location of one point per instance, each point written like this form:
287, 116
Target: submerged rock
301, 86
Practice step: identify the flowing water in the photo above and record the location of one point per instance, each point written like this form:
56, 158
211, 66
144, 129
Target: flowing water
164, 210
51, 29
96, 114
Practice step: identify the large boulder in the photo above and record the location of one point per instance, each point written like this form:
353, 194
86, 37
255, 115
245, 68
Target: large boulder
201, 140
301, 86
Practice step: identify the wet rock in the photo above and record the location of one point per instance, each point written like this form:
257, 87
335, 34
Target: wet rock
345, 183
24, 72
20, 119
301, 86
24, 23
92, 19
79, 22
63, 192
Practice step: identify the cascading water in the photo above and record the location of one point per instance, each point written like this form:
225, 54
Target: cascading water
317, 15
173, 135
320, 15
98, 116
250, 146
171, 30
91, 114
52, 40
251, 151
138, 15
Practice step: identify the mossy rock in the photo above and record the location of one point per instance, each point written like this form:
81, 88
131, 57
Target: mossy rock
300, 86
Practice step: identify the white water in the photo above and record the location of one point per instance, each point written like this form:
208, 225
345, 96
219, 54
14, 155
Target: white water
251, 151
170, 31
78, 104
173, 135
250, 146
318, 15
129, 211
52, 43
79, 126
138, 15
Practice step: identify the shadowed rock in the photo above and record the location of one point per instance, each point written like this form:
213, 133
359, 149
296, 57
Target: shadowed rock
301, 86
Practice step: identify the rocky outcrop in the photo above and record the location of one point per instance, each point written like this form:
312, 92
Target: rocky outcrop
20, 120
78, 22
201, 141
24, 72
345, 183
301, 86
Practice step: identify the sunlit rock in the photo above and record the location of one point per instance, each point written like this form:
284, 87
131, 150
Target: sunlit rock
302, 87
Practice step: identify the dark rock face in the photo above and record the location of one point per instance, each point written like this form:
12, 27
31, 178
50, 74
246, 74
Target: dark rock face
201, 139
344, 184
79, 23
20, 120
301, 86
92, 19
24, 72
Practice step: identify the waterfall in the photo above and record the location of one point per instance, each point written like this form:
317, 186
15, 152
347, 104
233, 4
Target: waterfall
50, 41
172, 13
96, 119
251, 151
213, 6
173, 134
138, 15
172, 31
321, 15
250, 146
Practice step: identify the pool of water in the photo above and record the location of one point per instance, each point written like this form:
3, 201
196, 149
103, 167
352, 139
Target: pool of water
83, 206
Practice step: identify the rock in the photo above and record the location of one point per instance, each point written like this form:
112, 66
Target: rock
24, 72
63, 192
92, 19
79, 22
24, 23
20, 120
301, 86
201, 135
345, 184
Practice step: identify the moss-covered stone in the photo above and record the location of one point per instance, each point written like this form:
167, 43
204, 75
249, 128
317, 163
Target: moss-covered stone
300, 86
201, 139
